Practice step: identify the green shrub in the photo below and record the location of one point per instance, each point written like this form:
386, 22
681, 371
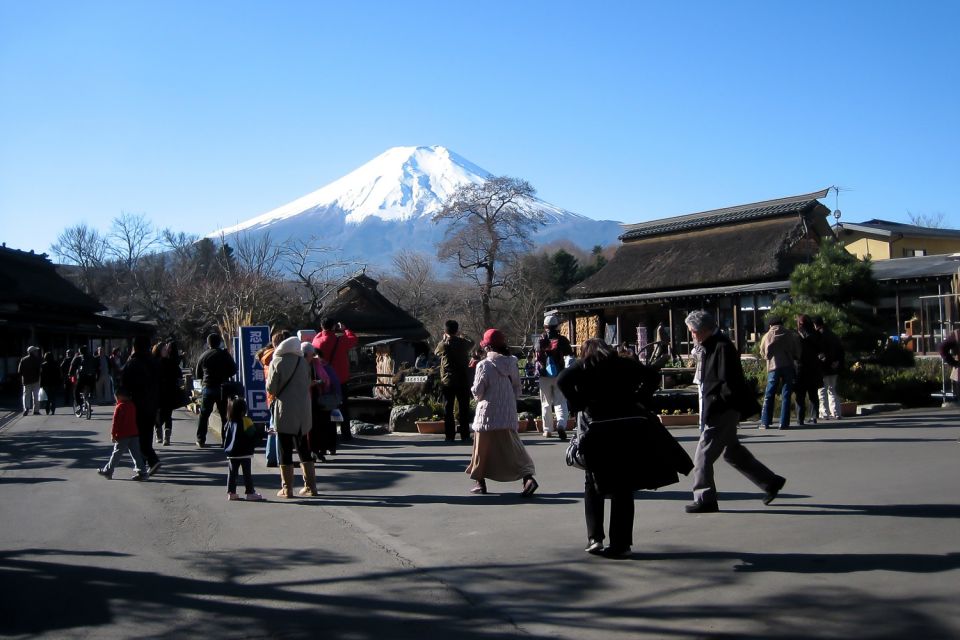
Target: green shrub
911, 387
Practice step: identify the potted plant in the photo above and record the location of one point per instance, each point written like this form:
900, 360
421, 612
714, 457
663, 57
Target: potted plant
678, 418
435, 423
525, 421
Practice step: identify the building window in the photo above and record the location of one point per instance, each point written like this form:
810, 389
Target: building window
912, 253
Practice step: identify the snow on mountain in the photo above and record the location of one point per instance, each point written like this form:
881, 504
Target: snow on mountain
387, 205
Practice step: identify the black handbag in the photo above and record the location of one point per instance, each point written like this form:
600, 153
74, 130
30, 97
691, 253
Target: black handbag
574, 457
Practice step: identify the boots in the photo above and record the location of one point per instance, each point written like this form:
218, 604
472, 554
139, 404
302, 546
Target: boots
309, 479
286, 477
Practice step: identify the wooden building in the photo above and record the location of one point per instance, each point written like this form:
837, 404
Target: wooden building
732, 261
39, 307
389, 336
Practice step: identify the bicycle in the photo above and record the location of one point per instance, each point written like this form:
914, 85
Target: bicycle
84, 408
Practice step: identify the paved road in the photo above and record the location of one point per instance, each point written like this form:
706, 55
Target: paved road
864, 543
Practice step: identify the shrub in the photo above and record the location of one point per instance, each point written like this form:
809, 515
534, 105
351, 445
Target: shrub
911, 387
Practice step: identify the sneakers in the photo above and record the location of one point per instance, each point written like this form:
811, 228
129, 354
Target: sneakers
616, 553
26, 412
140, 477
232, 496
562, 435
106, 473
154, 468
702, 507
254, 497
480, 487
200, 444
548, 434
778, 483
595, 547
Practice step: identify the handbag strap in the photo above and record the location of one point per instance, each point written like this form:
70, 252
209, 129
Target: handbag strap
284, 387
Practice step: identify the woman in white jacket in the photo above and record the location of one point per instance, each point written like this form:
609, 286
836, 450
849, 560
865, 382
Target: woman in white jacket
288, 380
498, 452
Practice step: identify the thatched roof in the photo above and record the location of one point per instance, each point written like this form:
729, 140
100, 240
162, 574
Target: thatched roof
746, 244
366, 311
30, 280
791, 205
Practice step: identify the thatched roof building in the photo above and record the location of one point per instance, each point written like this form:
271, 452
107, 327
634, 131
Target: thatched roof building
40, 307
732, 260
368, 313
745, 244
735, 262
392, 335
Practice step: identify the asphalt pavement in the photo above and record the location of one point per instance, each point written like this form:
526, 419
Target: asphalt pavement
863, 542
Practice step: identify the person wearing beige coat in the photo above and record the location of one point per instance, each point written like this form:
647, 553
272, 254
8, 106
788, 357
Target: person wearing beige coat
288, 380
781, 349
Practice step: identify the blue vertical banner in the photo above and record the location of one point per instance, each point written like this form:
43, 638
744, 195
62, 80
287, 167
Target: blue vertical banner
251, 340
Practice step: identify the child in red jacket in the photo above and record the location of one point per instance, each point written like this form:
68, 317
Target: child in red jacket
125, 437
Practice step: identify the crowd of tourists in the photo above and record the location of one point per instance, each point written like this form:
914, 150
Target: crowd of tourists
619, 443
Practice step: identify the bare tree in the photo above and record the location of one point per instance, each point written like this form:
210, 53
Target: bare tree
84, 247
131, 237
928, 220
413, 285
490, 224
317, 269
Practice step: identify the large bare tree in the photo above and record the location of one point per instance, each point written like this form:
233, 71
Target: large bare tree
84, 247
490, 225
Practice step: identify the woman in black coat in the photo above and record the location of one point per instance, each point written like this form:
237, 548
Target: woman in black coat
50, 381
169, 392
809, 374
625, 447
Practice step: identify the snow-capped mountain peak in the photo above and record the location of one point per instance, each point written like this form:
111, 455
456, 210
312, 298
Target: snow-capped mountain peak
399, 184
388, 203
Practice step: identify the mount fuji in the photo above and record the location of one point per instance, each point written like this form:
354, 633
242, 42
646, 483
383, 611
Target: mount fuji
387, 204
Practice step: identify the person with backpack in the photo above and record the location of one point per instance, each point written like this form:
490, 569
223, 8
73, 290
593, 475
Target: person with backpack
552, 351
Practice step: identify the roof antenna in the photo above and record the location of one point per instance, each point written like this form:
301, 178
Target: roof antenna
836, 203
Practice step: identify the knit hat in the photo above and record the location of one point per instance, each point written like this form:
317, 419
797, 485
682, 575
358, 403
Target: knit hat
551, 320
493, 338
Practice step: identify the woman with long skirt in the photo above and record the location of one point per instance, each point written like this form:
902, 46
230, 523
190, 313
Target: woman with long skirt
498, 452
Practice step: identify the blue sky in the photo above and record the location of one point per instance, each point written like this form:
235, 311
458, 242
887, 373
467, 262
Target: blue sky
203, 114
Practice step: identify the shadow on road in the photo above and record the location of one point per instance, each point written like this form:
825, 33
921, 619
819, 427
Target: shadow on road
239, 592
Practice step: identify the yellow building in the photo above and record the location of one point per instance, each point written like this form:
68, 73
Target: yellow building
883, 240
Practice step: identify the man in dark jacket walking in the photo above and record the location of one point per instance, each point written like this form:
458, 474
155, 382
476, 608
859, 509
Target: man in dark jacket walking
214, 368
139, 378
454, 352
725, 399
29, 372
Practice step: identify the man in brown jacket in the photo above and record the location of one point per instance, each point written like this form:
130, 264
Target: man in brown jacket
454, 352
781, 349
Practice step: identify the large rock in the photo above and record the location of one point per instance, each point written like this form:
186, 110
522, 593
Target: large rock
404, 417
359, 428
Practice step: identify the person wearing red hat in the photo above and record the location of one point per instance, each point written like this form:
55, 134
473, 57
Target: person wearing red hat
498, 452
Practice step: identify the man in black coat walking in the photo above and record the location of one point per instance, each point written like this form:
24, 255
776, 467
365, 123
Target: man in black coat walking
725, 399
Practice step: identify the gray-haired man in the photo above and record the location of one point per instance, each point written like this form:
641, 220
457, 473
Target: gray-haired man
725, 399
